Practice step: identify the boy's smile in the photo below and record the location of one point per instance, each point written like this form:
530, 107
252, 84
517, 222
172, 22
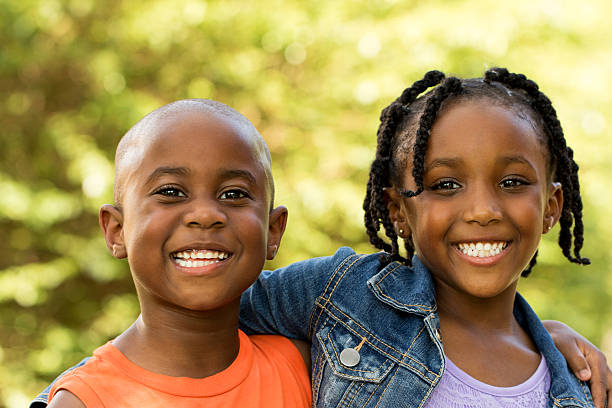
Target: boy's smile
195, 210
486, 202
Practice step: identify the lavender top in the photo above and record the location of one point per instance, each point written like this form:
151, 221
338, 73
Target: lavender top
457, 389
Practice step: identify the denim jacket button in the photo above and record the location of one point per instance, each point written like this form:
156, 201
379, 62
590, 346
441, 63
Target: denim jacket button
350, 357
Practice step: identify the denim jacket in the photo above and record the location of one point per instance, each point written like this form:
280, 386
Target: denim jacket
388, 318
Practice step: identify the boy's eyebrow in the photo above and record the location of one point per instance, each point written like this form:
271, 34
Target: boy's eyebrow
237, 173
184, 171
181, 171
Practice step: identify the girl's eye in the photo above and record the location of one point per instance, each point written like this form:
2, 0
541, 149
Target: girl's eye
512, 183
446, 185
170, 191
234, 194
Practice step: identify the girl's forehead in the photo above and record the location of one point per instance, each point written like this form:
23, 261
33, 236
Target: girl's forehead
479, 130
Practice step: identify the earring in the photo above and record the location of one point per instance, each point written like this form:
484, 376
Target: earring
401, 231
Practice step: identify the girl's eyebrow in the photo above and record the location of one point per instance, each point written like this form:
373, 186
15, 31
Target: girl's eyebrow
443, 162
517, 159
454, 162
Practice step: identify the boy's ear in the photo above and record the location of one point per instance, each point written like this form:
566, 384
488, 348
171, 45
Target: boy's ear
111, 222
278, 222
554, 206
393, 199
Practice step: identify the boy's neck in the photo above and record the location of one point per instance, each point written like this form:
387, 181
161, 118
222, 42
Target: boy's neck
182, 343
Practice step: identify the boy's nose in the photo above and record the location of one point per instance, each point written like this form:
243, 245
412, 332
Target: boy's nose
482, 206
205, 213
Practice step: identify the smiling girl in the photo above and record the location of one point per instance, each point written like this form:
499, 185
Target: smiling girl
469, 175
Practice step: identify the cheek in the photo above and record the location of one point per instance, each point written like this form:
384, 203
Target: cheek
429, 220
253, 225
147, 228
527, 214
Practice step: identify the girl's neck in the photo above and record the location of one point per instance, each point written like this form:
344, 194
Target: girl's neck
494, 313
483, 338
182, 343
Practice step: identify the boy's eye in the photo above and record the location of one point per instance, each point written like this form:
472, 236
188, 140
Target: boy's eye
234, 194
170, 191
446, 185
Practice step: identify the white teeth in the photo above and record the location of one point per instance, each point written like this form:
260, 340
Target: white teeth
482, 249
198, 258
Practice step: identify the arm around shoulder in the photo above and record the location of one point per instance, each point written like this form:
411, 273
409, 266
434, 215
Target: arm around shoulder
65, 399
282, 301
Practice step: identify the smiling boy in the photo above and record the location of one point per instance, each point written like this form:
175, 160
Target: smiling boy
194, 216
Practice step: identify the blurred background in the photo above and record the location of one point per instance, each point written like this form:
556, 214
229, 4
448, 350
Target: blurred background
313, 77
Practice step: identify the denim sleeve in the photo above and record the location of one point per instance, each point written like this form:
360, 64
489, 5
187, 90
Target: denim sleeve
282, 301
43, 398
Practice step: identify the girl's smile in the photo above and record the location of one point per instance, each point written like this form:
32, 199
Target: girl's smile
483, 252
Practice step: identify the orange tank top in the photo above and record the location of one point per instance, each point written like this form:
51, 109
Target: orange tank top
268, 372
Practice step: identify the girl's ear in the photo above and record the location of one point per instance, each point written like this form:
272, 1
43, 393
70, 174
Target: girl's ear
278, 222
111, 222
554, 206
393, 199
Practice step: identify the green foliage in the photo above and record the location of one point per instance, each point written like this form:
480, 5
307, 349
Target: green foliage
313, 77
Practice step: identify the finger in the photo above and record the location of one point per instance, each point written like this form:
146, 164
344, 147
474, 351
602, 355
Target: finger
599, 377
577, 360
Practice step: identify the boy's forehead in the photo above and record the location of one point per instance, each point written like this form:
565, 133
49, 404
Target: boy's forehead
195, 124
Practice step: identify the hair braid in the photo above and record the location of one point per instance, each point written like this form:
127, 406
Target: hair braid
374, 205
450, 86
565, 168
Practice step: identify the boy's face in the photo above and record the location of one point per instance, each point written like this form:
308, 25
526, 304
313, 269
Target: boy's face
195, 221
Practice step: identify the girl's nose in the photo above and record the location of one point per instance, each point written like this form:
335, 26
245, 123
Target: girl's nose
482, 206
205, 213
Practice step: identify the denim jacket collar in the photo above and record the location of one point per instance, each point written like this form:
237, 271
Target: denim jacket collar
410, 289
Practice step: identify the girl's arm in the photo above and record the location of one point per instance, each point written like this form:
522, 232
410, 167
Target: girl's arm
282, 301
586, 361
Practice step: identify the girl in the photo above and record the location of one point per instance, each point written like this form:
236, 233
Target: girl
469, 176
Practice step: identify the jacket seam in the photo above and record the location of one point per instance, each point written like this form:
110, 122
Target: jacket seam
362, 383
424, 308
404, 355
328, 296
387, 386
372, 394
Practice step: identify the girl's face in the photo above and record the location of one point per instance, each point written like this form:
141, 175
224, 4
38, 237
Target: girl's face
486, 202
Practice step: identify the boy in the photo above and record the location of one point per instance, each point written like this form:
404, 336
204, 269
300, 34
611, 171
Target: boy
193, 214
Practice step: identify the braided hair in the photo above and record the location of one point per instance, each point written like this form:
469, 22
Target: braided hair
405, 129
